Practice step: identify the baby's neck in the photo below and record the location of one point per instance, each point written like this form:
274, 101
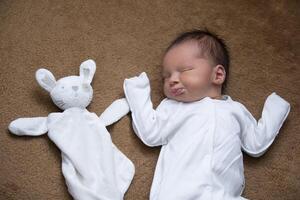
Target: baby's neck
220, 97
214, 93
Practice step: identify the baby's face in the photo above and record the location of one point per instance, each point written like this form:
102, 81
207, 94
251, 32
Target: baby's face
187, 76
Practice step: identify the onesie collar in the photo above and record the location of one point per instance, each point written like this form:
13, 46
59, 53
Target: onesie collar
225, 98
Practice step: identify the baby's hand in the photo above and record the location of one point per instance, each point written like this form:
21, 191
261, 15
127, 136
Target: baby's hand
137, 90
142, 80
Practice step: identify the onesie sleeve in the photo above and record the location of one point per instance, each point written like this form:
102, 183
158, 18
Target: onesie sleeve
149, 124
256, 136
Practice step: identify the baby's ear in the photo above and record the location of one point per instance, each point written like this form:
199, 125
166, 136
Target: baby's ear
219, 74
87, 70
45, 79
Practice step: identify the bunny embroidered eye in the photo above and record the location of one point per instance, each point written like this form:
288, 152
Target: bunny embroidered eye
62, 87
85, 87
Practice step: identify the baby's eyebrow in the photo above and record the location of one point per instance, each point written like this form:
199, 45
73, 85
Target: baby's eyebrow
185, 66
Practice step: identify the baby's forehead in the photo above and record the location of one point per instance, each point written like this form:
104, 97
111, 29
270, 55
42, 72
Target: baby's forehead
200, 48
184, 52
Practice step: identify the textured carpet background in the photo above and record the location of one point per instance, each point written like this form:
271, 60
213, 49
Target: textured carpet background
126, 38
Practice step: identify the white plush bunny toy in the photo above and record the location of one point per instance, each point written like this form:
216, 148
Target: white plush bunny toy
93, 167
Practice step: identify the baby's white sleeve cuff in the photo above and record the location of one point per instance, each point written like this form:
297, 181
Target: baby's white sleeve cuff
257, 136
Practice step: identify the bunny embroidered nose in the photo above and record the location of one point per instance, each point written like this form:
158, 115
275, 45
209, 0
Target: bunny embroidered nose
75, 88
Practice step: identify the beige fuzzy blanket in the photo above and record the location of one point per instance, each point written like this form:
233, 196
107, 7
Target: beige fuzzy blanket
126, 38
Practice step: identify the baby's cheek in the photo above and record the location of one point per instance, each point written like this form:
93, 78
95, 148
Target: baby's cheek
166, 89
196, 85
191, 81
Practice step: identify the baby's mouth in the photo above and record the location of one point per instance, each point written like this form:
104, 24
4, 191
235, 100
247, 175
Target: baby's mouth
177, 91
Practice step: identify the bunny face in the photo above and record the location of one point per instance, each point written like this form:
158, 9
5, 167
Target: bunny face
71, 91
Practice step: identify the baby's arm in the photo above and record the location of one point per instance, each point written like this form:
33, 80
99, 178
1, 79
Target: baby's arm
34, 126
258, 136
148, 124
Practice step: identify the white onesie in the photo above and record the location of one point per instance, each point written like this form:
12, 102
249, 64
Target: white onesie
201, 156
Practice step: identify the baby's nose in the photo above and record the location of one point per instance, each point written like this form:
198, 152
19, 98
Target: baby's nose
174, 79
172, 83
75, 88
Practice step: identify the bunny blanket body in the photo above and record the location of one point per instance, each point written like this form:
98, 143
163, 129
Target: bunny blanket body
93, 167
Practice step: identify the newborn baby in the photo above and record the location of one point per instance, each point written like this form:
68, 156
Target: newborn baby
201, 130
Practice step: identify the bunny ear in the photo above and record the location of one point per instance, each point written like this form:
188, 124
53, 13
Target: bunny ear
87, 70
45, 79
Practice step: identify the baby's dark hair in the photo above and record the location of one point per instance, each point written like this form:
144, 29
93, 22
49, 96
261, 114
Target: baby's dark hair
211, 47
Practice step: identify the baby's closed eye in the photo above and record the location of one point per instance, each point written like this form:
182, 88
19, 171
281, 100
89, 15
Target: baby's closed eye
185, 69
